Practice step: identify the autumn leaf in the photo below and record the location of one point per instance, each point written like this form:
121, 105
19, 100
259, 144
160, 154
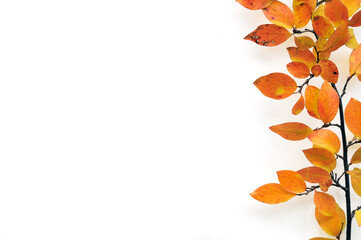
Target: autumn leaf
337, 39
332, 225
299, 106
329, 71
292, 130
279, 14
311, 101
352, 6
353, 117
302, 55
356, 180
314, 174
319, 157
255, 4
269, 35
298, 69
316, 70
356, 157
358, 217
302, 12
328, 102
320, 45
324, 186
355, 20
336, 12
352, 41
291, 181
325, 203
355, 61
304, 42
322, 27
272, 193
326, 139
320, 11
276, 85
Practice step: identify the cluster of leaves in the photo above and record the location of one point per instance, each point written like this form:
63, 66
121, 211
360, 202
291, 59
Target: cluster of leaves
332, 27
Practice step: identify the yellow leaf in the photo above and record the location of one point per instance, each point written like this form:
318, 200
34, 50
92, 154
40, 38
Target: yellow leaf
356, 157
356, 180
332, 225
304, 42
311, 101
358, 217
302, 55
351, 42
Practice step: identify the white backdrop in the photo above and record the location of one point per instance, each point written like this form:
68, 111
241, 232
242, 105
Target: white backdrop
134, 120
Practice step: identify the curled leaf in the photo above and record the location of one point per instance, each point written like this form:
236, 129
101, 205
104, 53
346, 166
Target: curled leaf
299, 106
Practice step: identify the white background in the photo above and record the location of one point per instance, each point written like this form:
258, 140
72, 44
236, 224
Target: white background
135, 120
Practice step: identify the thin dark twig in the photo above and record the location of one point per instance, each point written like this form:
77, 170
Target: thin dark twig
346, 83
309, 190
320, 2
305, 83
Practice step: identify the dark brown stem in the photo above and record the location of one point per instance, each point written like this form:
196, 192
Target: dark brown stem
346, 168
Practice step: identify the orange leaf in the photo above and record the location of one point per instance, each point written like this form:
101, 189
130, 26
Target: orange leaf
292, 130
319, 157
299, 106
269, 35
352, 6
302, 55
291, 181
280, 14
322, 27
332, 225
311, 101
320, 11
337, 39
325, 203
355, 61
356, 20
298, 69
314, 175
358, 217
316, 70
328, 102
276, 85
324, 186
329, 71
356, 180
304, 42
272, 193
356, 157
326, 139
336, 12
302, 12
353, 117
254, 5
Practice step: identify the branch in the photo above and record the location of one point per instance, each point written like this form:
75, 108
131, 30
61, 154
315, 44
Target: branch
345, 86
309, 190
320, 2
305, 83
297, 31
354, 141
326, 125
